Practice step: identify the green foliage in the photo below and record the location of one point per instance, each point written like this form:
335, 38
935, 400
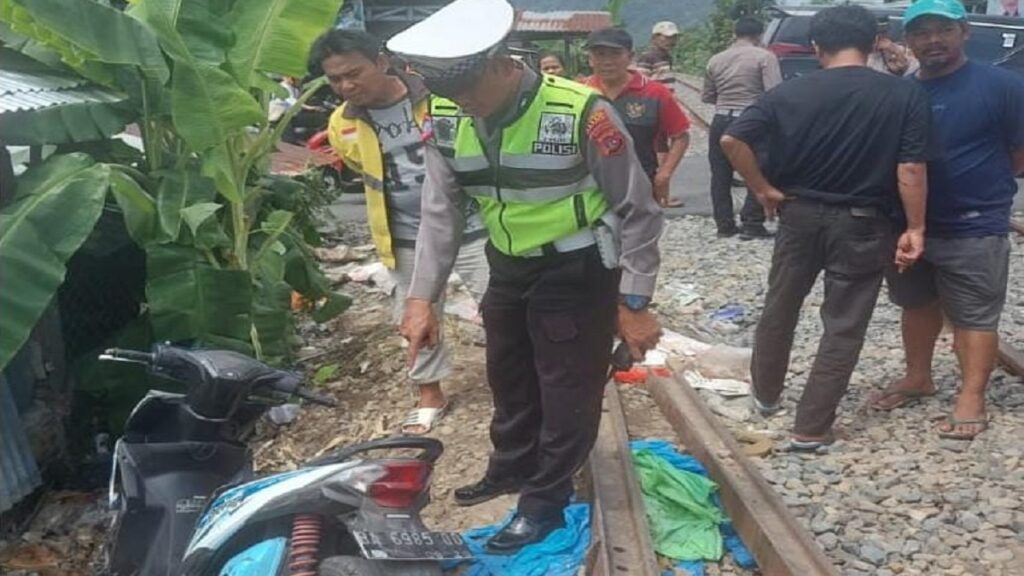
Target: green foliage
55, 208
698, 44
225, 243
615, 8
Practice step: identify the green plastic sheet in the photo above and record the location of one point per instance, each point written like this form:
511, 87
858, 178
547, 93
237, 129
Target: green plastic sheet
680, 509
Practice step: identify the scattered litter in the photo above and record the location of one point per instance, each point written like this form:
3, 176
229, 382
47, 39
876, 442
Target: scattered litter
680, 295
326, 373
727, 387
686, 464
734, 313
639, 374
655, 358
375, 273
722, 361
560, 554
340, 254
364, 366
461, 305
675, 344
753, 443
283, 414
735, 409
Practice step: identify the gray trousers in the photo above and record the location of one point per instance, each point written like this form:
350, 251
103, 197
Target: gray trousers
853, 247
434, 364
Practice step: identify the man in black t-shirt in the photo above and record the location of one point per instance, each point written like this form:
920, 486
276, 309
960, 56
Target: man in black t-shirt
844, 145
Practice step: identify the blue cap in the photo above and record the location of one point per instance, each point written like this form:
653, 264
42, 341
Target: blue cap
952, 9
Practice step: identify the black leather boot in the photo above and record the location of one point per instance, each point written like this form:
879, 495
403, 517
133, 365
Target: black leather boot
485, 490
520, 532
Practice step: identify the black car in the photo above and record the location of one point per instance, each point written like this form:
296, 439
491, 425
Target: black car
997, 40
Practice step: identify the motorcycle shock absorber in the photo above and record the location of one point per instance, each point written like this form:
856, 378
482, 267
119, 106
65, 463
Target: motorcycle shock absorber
304, 549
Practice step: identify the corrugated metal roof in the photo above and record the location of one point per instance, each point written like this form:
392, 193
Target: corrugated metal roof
562, 21
19, 474
36, 91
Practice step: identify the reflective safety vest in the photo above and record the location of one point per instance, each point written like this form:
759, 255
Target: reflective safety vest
541, 194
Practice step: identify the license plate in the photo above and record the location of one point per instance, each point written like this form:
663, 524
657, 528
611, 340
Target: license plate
412, 545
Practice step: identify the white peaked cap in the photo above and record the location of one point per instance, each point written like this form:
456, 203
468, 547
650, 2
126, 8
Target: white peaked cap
460, 29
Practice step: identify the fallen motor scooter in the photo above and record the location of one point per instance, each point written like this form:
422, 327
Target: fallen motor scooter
187, 503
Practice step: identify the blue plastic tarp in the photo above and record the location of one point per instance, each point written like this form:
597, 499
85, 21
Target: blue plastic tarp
560, 554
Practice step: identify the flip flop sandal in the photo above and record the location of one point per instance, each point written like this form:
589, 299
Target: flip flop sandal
906, 398
766, 410
966, 436
806, 446
424, 418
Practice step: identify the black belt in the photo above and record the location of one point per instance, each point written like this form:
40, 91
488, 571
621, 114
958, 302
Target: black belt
859, 211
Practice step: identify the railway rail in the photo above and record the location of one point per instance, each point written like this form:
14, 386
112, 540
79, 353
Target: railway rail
1011, 358
620, 536
621, 542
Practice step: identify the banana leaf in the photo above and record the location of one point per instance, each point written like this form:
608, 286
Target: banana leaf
136, 205
207, 104
275, 35
190, 300
272, 317
85, 30
177, 190
304, 276
66, 189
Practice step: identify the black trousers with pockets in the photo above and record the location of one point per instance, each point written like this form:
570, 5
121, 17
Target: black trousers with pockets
549, 323
751, 214
853, 246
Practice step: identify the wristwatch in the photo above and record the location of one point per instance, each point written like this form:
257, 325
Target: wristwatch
635, 302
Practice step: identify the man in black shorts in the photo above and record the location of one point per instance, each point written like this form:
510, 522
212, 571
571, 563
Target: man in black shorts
978, 111
845, 144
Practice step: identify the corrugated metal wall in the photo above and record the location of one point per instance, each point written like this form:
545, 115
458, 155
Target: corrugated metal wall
19, 474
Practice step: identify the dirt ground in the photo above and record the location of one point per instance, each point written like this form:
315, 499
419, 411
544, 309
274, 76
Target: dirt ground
359, 359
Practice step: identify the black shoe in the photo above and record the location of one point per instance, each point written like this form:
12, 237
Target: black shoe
485, 490
755, 232
521, 531
728, 233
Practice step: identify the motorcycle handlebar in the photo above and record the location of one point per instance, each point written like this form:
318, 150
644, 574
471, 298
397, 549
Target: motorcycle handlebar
280, 380
122, 355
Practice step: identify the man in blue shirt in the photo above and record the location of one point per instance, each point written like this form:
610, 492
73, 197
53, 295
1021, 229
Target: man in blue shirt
978, 115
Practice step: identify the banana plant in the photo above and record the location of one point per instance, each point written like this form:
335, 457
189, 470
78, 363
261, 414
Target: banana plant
221, 260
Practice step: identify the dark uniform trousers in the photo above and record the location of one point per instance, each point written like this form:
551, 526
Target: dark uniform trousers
549, 323
853, 246
751, 214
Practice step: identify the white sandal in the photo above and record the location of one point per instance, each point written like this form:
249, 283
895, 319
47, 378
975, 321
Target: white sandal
423, 417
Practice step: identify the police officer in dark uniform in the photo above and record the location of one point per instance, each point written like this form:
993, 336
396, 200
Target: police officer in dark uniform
573, 249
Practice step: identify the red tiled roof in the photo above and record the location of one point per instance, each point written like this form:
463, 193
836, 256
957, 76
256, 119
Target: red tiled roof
561, 21
292, 160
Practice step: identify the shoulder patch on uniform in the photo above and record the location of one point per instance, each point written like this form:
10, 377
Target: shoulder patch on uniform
603, 132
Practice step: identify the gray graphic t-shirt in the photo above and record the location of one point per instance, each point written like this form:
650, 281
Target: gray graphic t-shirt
402, 145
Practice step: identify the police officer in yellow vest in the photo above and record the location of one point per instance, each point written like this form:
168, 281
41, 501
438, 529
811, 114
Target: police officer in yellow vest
378, 131
573, 249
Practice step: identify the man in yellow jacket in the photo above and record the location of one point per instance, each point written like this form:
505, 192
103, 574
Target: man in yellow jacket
378, 131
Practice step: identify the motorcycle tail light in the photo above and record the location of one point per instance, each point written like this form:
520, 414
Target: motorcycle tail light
401, 483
